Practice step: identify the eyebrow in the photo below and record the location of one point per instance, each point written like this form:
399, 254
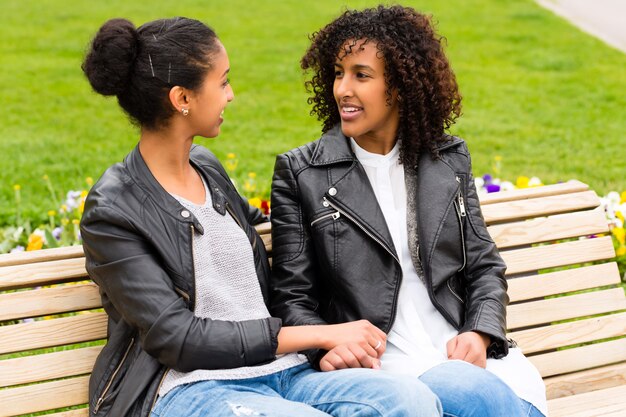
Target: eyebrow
357, 67
226, 72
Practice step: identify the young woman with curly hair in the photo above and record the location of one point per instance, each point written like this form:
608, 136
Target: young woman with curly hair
183, 275
379, 219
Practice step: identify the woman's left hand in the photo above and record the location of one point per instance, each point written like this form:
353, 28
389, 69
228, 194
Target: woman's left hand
469, 347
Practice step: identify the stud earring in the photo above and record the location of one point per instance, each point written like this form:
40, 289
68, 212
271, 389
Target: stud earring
184, 111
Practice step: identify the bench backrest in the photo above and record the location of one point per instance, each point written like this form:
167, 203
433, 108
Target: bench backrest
575, 303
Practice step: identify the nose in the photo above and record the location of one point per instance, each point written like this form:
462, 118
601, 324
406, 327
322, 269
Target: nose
343, 87
230, 94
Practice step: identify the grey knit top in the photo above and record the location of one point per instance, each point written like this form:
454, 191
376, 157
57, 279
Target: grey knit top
227, 288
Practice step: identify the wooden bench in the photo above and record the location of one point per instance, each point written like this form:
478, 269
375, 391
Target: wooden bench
529, 226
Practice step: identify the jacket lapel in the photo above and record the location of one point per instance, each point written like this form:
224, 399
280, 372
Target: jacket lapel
350, 187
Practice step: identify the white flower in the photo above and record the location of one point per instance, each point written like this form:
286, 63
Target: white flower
613, 197
507, 186
534, 182
479, 182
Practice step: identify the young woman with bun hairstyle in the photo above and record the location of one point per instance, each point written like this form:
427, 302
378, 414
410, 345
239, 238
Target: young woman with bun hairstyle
379, 220
183, 275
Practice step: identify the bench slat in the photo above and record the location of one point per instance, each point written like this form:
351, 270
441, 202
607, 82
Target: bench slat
46, 273
565, 334
46, 301
45, 396
535, 207
45, 255
606, 402
545, 229
563, 308
560, 282
585, 381
560, 254
81, 412
577, 359
572, 186
55, 332
48, 366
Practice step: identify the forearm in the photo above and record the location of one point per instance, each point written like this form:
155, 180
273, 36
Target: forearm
300, 338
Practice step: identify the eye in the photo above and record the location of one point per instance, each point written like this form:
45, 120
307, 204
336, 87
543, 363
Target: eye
338, 73
362, 75
225, 83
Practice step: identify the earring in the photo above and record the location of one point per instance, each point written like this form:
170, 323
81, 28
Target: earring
184, 111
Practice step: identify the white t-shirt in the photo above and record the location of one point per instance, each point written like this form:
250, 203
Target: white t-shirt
417, 340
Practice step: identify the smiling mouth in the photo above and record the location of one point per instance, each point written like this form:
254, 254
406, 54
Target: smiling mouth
349, 113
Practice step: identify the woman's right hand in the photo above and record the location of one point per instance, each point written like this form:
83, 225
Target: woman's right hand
357, 344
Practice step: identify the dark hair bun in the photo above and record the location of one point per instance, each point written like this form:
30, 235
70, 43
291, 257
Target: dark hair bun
111, 57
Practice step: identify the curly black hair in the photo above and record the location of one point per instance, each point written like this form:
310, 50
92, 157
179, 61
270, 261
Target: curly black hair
415, 66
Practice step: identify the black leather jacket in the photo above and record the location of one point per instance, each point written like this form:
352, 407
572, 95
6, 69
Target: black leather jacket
334, 259
138, 246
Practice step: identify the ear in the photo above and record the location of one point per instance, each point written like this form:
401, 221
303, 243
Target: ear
179, 98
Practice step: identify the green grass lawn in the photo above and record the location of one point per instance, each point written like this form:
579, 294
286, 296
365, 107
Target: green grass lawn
537, 91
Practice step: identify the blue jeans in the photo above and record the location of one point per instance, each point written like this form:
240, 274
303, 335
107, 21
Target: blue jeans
466, 390
303, 392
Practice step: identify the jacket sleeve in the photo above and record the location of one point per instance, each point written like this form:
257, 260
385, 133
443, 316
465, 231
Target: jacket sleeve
132, 279
484, 273
295, 290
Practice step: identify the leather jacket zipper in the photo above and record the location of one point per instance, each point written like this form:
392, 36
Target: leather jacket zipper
185, 295
334, 215
103, 396
461, 201
360, 226
193, 270
156, 393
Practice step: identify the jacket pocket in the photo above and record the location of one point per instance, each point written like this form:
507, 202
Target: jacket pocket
325, 219
113, 380
461, 214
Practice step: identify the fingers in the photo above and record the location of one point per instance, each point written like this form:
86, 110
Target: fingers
348, 356
468, 347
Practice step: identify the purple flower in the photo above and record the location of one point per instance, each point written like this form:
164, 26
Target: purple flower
57, 233
18, 248
493, 188
487, 178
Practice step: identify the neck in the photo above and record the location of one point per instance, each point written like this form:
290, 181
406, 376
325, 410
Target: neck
166, 154
379, 144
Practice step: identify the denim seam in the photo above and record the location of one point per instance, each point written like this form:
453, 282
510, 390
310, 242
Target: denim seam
375, 407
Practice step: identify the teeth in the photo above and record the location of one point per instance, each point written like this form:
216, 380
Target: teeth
350, 109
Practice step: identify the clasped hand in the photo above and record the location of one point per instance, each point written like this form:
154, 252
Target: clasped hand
358, 344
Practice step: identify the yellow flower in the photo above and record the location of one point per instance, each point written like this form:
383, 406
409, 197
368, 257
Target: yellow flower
75, 221
65, 221
35, 242
81, 206
522, 182
230, 155
45, 177
52, 213
17, 187
620, 234
83, 194
619, 215
252, 174
255, 201
89, 181
621, 251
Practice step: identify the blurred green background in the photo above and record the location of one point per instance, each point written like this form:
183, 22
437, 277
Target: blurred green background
538, 92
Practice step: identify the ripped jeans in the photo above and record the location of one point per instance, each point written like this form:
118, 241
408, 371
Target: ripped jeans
301, 391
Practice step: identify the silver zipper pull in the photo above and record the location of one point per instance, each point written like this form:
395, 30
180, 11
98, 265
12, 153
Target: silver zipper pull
461, 204
336, 215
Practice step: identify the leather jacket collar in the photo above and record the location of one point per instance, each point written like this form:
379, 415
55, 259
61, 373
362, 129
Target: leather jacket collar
334, 147
141, 174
